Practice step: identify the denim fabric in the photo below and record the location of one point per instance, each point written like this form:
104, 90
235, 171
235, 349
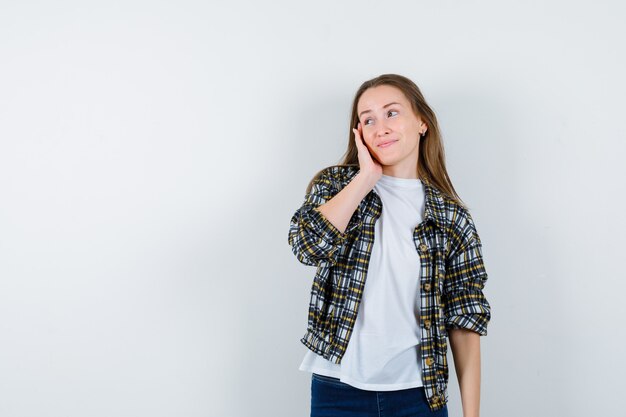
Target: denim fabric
332, 398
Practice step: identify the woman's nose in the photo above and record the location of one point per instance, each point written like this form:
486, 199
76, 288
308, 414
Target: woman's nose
383, 129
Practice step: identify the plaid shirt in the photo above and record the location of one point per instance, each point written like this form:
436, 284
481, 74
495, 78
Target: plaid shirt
452, 273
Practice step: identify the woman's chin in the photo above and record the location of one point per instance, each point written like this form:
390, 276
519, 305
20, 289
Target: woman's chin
385, 161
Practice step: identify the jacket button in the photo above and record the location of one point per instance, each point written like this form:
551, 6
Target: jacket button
427, 286
439, 275
427, 324
423, 247
429, 361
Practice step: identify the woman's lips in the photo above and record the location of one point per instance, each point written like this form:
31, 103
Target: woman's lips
387, 144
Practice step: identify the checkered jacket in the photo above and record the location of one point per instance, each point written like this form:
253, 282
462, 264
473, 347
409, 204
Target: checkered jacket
452, 273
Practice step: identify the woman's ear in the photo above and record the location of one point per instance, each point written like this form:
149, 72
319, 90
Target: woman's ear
422, 128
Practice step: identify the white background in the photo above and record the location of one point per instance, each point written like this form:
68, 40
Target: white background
153, 152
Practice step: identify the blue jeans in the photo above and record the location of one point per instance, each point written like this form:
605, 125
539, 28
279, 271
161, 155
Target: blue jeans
332, 398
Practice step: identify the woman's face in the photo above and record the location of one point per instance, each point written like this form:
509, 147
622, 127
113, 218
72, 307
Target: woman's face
391, 130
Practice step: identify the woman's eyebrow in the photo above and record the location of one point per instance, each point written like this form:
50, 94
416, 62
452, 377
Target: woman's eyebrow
384, 107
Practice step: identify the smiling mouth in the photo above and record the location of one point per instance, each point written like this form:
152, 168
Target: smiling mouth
387, 144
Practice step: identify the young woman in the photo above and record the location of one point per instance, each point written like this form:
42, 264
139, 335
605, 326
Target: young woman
399, 267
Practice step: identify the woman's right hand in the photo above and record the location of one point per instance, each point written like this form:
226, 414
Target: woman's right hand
369, 167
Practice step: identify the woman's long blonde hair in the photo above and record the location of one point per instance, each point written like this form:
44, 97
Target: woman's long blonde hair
431, 164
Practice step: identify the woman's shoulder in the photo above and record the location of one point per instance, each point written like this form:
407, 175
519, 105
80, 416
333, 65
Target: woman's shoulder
340, 174
455, 215
332, 178
460, 221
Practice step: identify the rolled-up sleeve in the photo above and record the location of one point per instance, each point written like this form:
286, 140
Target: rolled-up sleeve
465, 305
312, 237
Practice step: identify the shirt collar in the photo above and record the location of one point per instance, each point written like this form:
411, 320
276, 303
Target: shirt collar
435, 204
434, 207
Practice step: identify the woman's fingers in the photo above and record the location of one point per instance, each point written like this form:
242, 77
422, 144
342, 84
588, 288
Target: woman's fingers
359, 137
368, 165
364, 153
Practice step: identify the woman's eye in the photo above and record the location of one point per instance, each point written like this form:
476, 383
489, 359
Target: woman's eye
390, 113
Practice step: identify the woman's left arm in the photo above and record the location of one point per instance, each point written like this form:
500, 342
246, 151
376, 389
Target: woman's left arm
465, 346
466, 309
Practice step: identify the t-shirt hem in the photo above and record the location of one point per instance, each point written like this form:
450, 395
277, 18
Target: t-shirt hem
359, 385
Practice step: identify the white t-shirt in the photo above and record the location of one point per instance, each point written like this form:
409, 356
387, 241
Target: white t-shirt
383, 351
